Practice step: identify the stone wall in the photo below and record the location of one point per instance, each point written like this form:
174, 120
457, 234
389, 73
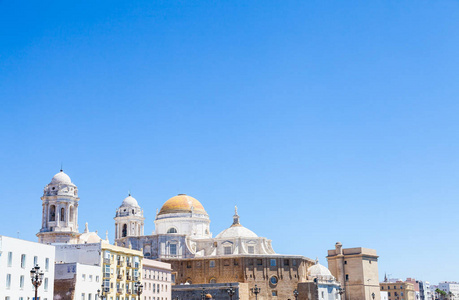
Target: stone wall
217, 291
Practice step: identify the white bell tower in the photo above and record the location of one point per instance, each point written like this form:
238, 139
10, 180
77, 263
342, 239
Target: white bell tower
60, 211
129, 220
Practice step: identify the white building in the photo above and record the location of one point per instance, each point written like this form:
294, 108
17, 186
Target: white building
85, 280
424, 290
156, 280
450, 287
384, 295
17, 258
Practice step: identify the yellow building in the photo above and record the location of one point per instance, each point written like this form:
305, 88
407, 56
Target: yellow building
399, 290
121, 269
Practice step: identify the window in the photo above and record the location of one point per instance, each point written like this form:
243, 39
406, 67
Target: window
173, 249
401, 294
89, 296
323, 295
45, 285
47, 264
388, 287
21, 282
188, 264
52, 213
273, 280
212, 263
345, 262
23, 261
213, 280
82, 296
347, 277
172, 230
90, 278
259, 262
35, 260
8, 281
227, 250
83, 277
274, 293
124, 233
62, 214
388, 294
10, 259
251, 249
382, 288
286, 262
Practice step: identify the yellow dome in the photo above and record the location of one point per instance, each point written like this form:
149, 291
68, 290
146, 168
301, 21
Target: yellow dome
182, 204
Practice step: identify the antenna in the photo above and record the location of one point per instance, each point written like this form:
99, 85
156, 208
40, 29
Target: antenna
61, 166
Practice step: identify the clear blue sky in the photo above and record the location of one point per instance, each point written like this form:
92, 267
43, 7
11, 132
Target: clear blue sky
323, 121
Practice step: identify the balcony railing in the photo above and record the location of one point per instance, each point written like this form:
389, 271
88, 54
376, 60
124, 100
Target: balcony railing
129, 265
118, 276
129, 291
106, 275
129, 277
107, 261
119, 291
120, 263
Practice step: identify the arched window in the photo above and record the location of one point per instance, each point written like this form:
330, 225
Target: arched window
62, 214
71, 214
124, 233
52, 213
213, 280
172, 230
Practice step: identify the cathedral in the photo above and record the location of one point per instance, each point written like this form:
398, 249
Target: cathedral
183, 238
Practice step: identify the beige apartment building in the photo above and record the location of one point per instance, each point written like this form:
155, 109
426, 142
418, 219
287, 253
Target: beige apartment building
399, 290
157, 279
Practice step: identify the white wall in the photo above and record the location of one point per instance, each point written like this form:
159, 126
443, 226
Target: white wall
156, 274
30, 249
88, 278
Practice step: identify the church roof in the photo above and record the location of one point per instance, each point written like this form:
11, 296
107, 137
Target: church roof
236, 230
182, 204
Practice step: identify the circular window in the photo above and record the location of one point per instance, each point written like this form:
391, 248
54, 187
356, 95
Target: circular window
273, 280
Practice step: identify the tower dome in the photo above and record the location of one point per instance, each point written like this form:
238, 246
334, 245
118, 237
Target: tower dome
320, 272
236, 229
62, 178
129, 201
182, 203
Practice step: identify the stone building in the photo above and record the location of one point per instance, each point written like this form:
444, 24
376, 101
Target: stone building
398, 290
60, 214
357, 271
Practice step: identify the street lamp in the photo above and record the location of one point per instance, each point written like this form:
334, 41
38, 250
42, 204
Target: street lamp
138, 288
203, 294
373, 296
230, 291
101, 292
37, 278
341, 292
256, 291
295, 293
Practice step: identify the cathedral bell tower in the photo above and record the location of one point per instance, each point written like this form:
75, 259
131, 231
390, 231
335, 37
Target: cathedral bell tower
60, 211
129, 220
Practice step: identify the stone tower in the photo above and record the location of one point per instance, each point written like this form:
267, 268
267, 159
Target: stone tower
357, 271
60, 211
129, 219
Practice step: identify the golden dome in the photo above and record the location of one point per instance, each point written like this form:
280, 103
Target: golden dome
182, 204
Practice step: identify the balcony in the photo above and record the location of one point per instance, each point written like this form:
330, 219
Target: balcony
129, 277
119, 291
120, 263
129, 292
119, 276
107, 261
106, 275
129, 265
